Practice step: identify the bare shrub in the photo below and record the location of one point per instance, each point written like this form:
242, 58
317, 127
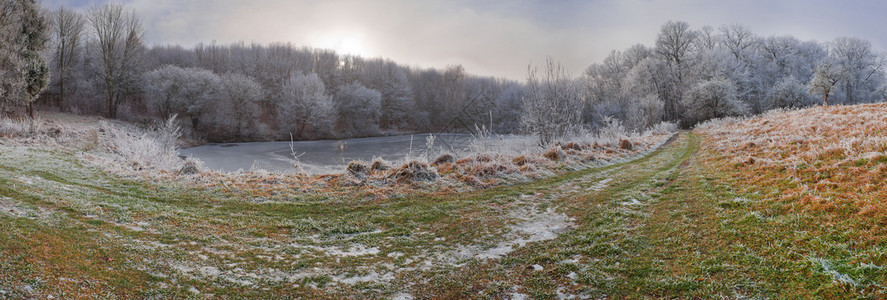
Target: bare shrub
358, 169
554, 154
626, 145
571, 146
415, 171
380, 165
190, 167
520, 160
444, 158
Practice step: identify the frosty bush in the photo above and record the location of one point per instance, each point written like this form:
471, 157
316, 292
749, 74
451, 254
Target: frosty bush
663, 127
612, 132
18, 128
134, 149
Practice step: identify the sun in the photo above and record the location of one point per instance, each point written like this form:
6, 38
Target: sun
351, 45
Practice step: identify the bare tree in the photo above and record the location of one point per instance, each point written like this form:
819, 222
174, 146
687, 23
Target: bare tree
67, 32
118, 41
359, 109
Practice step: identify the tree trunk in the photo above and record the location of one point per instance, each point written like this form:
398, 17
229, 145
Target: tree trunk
31, 110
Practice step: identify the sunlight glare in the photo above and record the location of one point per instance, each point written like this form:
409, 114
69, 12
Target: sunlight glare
352, 46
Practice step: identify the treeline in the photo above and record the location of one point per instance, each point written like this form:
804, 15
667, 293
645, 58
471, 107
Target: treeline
258, 92
691, 75
99, 64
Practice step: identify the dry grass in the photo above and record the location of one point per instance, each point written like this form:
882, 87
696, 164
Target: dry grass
830, 160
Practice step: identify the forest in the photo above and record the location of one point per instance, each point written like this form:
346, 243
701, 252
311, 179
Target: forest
96, 62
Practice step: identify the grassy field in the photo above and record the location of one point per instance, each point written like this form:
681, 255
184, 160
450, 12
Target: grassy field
697, 218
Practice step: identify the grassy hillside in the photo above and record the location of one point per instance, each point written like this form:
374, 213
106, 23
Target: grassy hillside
783, 205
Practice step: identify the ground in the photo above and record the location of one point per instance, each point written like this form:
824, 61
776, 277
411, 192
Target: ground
706, 215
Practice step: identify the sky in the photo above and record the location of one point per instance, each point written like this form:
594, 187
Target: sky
497, 38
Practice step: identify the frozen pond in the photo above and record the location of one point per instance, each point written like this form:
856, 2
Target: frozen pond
326, 156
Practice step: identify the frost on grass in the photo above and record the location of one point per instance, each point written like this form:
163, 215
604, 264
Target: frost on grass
791, 149
11, 207
829, 269
535, 227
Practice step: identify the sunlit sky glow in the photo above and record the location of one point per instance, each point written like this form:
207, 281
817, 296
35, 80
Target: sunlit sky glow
495, 37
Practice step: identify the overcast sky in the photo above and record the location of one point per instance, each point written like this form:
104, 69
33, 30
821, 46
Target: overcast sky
492, 37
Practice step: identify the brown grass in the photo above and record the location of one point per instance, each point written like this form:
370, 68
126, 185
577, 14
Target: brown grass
822, 159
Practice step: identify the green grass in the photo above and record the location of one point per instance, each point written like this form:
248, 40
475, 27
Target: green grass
665, 225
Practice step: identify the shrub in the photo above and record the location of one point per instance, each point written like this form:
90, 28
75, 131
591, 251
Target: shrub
571, 146
358, 169
626, 144
137, 149
554, 154
380, 165
444, 158
484, 158
191, 167
415, 171
520, 160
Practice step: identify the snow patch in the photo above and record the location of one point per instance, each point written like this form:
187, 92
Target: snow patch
372, 276
355, 250
13, 208
536, 227
600, 185
402, 296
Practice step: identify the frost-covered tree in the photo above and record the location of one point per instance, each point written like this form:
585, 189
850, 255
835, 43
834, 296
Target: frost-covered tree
709, 99
67, 37
238, 107
398, 108
825, 77
117, 41
552, 104
740, 41
861, 68
508, 110
788, 92
675, 45
358, 108
23, 34
186, 92
307, 109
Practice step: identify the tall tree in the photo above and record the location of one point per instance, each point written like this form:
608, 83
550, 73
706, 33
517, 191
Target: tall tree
860, 67
23, 34
359, 109
118, 41
183, 91
307, 108
241, 95
675, 46
67, 32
